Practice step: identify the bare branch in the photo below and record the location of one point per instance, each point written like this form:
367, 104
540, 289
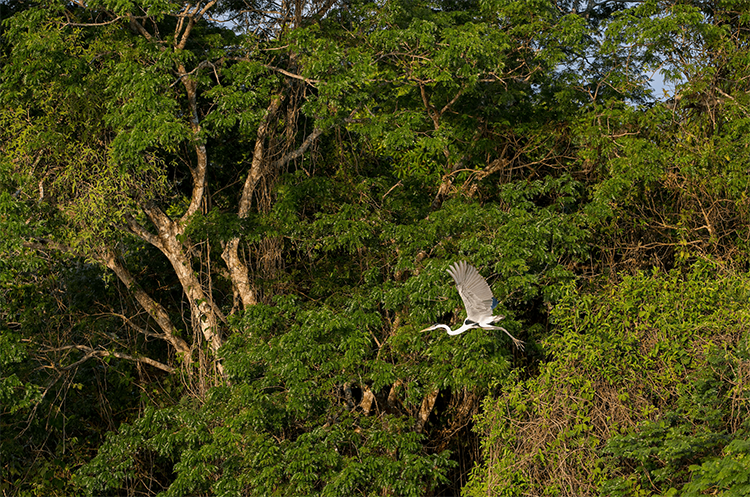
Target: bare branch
192, 17
154, 309
389, 191
453, 100
279, 70
145, 360
300, 150
290, 74
137, 328
90, 24
431, 111
140, 28
201, 65
141, 232
90, 352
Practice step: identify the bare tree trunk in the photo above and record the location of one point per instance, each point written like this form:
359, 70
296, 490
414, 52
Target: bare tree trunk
442, 193
238, 270
204, 314
428, 404
239, 273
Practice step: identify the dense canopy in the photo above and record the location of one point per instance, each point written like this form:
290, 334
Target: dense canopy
224, 224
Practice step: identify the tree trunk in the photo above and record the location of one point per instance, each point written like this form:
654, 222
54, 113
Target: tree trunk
205, 316
238, 270
428, 404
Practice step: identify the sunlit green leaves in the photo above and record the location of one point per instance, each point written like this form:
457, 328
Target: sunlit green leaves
529, 119
623, 355
60, 137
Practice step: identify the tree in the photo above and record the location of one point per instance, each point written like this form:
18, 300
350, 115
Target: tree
609, 412
107, 110
673, 171
245, 210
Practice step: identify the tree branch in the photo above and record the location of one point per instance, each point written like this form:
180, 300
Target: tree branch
290, 74
142, 233
192, 18
428, 404
154, 309
90, 352
137, 328
140, 28
279, 70
44, 244
238, 270
256, 167
300, 150
368, 398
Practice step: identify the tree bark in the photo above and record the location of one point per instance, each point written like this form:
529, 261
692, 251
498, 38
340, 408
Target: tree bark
153, 308
368, 399
238, 270
205, 316
428, 404
91, 352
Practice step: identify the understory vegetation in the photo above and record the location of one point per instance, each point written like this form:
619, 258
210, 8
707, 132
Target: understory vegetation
224, 225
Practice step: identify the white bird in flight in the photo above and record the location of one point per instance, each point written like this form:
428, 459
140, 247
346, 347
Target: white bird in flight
478, 300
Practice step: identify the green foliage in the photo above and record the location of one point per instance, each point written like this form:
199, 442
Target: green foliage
435, 87
672, 174
241, 441
701, 445
300, 368
621, 356
520, 136
55, 84
14, 393
725, 475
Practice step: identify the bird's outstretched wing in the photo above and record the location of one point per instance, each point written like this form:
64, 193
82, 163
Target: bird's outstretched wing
474, 291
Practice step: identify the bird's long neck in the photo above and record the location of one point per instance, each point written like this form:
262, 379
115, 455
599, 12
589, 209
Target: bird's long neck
444, 326
465, 327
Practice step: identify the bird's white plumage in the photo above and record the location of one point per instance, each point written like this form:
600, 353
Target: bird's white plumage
478, 300
474, 291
